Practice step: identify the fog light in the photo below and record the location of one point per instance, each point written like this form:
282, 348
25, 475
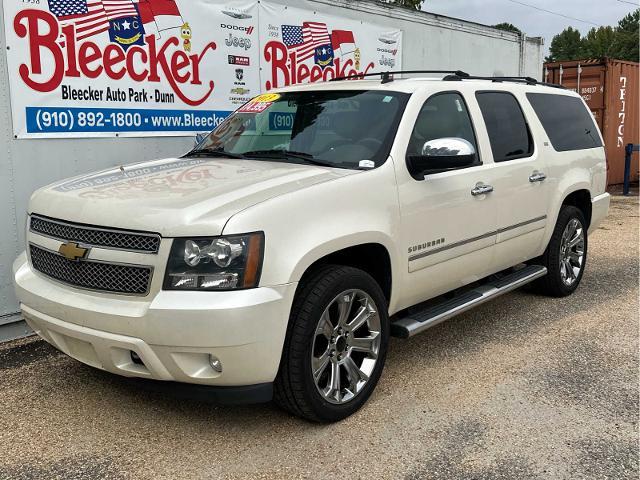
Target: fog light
135, 358
215, 363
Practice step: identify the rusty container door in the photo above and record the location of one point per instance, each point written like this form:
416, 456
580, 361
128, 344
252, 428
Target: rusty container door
610, 89
621, 123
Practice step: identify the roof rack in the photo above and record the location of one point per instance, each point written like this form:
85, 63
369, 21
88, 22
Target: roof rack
387, 77
450, 75
525, 80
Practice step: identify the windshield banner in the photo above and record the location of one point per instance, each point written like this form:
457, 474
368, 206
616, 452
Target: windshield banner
104, 68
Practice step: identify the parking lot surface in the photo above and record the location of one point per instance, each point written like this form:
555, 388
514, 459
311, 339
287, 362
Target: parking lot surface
521, 387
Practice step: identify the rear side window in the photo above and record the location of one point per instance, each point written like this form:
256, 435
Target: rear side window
566, 120
507, 128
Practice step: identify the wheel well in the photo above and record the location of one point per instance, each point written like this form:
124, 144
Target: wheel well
373, 258
580, 199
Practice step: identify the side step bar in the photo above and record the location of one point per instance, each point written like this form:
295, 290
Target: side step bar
420, 320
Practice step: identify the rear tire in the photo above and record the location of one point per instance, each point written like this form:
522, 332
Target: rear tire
335, 347
565, 256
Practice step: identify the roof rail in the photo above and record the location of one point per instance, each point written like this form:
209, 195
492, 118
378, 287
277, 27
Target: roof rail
450, 75
387, 77
526, 80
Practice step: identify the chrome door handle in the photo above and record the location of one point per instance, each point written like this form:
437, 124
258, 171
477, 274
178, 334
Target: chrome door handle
481, 189
537, 177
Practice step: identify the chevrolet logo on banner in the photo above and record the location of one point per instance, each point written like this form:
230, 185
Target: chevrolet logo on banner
72, 251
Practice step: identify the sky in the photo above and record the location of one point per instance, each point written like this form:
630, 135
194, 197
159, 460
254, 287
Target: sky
535, 23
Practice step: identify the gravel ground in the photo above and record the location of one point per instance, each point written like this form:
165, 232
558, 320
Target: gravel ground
521, 387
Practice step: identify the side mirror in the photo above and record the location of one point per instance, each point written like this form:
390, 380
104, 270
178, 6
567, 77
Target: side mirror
441, 155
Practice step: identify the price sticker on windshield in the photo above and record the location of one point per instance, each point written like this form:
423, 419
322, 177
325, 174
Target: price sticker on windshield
254, 107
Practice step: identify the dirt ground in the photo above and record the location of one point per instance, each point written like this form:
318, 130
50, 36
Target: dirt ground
521, 387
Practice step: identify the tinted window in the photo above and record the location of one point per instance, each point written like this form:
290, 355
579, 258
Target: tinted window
507, 128
442, 116
566, 120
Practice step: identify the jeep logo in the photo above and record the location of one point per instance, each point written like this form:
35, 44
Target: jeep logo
238, 42
237, 28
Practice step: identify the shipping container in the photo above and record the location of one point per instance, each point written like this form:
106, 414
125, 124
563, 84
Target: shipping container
610, 89
428, 42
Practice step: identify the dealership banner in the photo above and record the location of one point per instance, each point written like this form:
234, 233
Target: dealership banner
90, 68
301, 45
99, 68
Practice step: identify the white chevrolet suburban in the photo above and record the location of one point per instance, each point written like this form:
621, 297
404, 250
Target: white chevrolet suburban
277, 258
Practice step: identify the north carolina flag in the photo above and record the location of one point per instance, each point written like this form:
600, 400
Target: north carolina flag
343, 40
159, 15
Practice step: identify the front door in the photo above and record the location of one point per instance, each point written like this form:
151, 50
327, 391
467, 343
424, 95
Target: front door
448, 225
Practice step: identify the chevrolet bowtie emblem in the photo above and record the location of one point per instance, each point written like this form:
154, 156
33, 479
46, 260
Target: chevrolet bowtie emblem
72, 251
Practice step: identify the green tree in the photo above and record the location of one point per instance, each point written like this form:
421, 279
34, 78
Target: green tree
625, 43
567, 45
508, 27
598, 42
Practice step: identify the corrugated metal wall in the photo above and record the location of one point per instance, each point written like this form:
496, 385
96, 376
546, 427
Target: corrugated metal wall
430, 41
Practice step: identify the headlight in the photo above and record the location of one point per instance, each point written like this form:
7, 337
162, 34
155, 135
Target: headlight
216, 263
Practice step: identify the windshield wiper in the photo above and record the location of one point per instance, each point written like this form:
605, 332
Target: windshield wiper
213, 152
305, 157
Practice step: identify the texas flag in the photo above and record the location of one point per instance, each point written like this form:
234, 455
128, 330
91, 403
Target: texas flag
343, 40
159, 15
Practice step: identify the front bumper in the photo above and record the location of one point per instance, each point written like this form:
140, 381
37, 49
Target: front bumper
173, 333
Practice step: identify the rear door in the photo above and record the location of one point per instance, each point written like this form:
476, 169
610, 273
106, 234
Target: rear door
521, 188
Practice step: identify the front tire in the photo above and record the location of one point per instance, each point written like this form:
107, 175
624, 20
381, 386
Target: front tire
335, 347
566, 254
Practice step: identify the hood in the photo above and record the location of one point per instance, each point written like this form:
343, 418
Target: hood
175, 197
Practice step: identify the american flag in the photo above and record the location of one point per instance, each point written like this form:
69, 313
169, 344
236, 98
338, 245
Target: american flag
119, 9
305, 39
88, 16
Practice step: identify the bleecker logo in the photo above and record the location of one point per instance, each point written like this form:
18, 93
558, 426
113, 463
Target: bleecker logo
237, 28
334, 54
64, 55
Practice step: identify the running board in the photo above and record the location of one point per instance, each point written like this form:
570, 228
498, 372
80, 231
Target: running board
420, 320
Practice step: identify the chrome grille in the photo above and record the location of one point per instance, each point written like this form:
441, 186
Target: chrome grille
95, 236
107, 277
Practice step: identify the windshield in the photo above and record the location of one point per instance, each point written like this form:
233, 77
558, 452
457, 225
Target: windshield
345, 129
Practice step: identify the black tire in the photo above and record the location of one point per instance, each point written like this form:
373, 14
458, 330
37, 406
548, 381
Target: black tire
552, 283
294, 388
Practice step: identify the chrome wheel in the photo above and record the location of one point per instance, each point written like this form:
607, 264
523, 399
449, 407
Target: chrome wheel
345, 346
572, 252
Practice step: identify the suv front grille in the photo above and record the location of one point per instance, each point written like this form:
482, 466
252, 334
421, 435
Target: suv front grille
96, 236
107, 277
